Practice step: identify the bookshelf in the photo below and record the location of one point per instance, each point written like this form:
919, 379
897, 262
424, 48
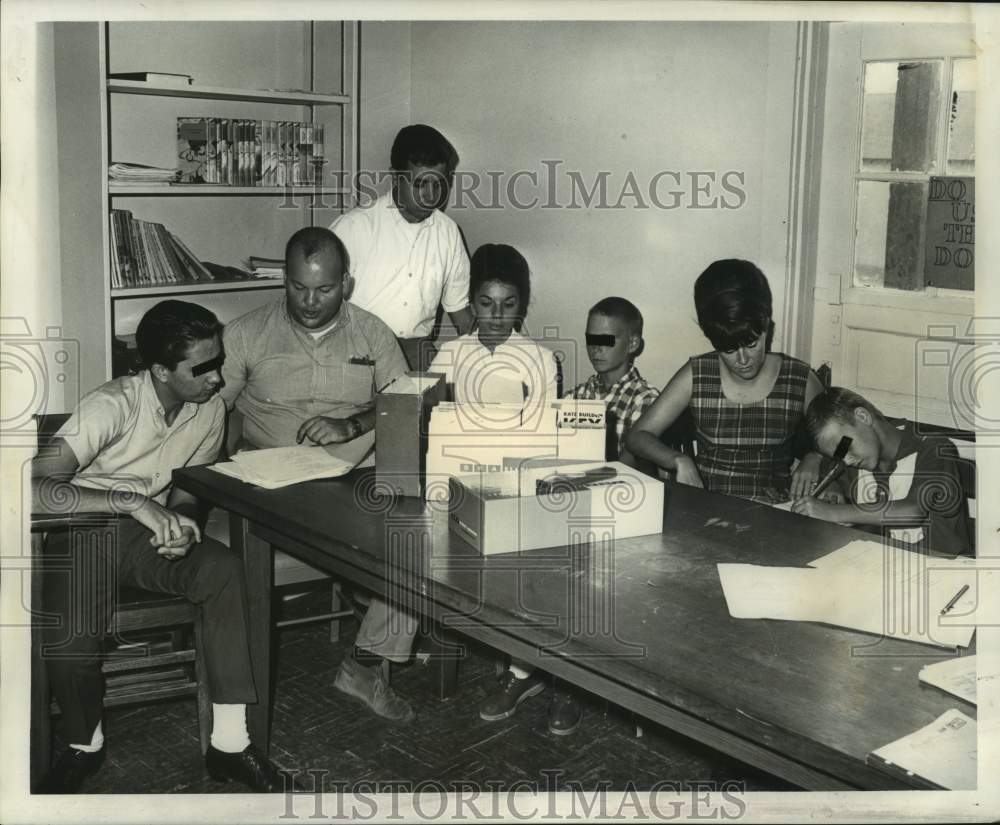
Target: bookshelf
275, 70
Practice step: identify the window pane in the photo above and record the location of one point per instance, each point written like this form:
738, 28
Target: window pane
899, 118
887, 246
962, 119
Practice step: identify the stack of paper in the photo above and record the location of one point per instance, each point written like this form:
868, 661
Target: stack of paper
265, 267
137, 173
863, 586
283, 466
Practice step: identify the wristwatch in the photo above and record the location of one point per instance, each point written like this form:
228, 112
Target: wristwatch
356, 427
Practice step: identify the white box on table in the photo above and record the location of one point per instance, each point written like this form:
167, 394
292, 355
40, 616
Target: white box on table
464, 439
502, 512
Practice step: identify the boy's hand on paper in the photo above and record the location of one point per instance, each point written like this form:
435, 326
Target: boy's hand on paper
687, 472
321, 430
814, 508
806, 475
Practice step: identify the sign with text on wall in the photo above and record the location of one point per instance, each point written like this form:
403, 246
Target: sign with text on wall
951, 233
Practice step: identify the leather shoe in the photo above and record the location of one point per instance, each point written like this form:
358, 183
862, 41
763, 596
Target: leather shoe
565, 713
502, 703
251, 768
70, 770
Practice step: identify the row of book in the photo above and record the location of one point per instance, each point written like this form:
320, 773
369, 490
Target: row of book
144, 253
240, 152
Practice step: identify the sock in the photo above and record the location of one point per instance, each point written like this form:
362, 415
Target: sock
366, 658
520, 672
96, 741
229, 728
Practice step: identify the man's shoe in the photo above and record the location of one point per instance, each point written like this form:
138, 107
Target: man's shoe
370, 686
251, 768
512, 691
70, 770
565, 713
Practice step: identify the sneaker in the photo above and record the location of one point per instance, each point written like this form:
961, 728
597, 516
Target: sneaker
369, 686
512, 691
565, 713
70, 771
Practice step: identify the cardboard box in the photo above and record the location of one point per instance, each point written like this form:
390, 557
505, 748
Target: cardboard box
402, 412
467, 439
503, 512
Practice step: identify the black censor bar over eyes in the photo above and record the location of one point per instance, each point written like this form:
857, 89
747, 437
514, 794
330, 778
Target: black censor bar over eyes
208, 366
600, 340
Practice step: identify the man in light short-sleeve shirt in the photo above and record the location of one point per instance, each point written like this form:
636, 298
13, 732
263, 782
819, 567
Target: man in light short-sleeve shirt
407, 256
306, 369
116, 454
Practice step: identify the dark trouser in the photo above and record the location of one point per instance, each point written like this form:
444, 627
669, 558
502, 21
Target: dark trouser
81, 586
419, 352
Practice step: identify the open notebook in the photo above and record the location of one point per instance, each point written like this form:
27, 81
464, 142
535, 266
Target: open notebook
283, 466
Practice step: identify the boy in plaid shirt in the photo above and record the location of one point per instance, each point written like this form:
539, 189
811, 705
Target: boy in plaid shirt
614, 338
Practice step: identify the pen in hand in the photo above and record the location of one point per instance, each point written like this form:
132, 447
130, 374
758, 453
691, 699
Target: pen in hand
836, 469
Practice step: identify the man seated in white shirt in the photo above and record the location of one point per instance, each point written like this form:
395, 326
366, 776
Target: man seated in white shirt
116, 454
407, 256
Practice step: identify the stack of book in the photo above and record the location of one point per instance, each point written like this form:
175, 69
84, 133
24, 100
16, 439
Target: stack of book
138, 174
265, 267
144, 253
239, 152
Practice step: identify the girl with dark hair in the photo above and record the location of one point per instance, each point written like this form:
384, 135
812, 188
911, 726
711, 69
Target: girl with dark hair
496, 362
746, 401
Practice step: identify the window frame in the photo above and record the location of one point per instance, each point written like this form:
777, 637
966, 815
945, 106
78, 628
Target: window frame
944, 298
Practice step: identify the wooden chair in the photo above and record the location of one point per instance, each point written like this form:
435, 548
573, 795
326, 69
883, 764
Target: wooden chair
153, 658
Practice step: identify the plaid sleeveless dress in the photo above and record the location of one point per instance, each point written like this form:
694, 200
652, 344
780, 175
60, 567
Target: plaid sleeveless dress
746, 449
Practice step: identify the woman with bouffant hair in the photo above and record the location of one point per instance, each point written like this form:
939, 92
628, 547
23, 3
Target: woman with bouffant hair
747, 402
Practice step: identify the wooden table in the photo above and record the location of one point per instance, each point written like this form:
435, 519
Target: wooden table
642, 622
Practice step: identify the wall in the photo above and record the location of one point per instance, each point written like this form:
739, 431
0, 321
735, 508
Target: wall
30, 287
384, 97
616, 98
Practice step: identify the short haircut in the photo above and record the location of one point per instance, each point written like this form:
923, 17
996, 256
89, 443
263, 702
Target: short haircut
836, 404
420, 145
168, 330
621, 309
733, 302
503, 263
313, 240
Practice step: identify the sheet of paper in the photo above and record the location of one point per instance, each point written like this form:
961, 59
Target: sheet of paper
901, 592
868, 595
356, 451
943, 752
954, 676
288, 465
282, 466
756, 592
228, 468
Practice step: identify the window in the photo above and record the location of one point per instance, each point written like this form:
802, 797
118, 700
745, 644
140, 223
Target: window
915, 214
